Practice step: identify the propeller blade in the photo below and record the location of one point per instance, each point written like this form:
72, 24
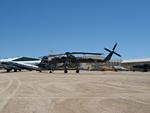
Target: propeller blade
71, 53
84, 53
114, 46
108, 50
117, 54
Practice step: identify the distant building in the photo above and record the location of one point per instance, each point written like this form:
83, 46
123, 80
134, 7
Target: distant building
130, 63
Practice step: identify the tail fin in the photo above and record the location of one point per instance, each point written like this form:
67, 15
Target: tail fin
111, 52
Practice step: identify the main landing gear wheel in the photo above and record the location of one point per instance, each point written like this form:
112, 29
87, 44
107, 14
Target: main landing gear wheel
50, 71
40, 71
77, 71
8, 70
65, 71
15, 70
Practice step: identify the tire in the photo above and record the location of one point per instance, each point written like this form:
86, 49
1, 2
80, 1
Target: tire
8, 70
50, 71
15, 70
65, 71
77, 71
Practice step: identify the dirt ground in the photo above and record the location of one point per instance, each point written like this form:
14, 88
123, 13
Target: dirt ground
87, 92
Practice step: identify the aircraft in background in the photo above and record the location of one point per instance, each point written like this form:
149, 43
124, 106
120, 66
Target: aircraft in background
20, 63
145, 67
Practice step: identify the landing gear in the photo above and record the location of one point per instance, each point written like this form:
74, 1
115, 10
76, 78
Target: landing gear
50, 71
15, 70
8, 70
65, 71
145, 70
40, 71
66, 67
77, 67
77, 71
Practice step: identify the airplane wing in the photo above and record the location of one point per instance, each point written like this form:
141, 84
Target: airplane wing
27, 66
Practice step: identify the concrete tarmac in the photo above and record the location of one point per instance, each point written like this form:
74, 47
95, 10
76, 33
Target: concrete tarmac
87, 92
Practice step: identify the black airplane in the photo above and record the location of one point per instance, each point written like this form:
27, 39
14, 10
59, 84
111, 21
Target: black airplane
145, 67
69, 59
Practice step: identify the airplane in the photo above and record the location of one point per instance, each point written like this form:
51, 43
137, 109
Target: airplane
25, 63
20, 63
145, 67
68, 59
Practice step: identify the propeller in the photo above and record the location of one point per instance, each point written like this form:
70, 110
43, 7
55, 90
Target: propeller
113, 50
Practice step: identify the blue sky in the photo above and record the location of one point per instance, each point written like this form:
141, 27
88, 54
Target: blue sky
35, 27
